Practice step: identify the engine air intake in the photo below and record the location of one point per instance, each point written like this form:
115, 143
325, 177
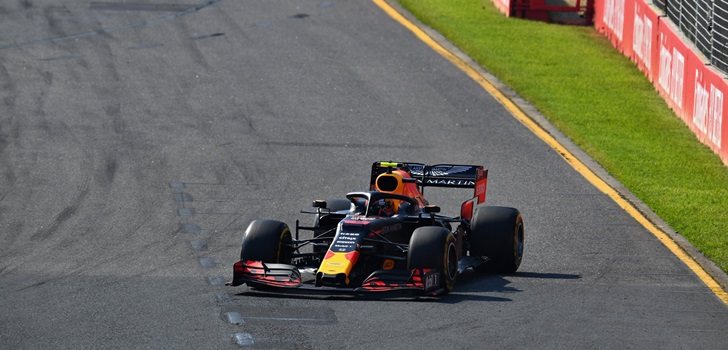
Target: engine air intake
387, 183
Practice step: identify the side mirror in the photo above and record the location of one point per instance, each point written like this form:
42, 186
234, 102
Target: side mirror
431, 209
319, 203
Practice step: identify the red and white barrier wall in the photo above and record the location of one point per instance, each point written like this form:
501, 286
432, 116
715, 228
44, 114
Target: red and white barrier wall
694, 90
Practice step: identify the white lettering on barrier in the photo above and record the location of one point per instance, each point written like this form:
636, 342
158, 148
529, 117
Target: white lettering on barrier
614, 16
715, 115
665, 66
708, 110
647, 44
637, 35
642, 42
700, 104
677, 77
672, 73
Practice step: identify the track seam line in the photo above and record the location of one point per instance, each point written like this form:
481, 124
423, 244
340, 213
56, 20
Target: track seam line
539, 131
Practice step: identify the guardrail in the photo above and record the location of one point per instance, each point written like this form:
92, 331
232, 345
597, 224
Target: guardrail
704, 23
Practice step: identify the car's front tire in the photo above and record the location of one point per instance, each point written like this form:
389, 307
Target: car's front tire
267, 241
433, 247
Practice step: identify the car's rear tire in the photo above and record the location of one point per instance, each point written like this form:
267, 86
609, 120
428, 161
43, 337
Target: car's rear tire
433, 247
497, 232
267, 241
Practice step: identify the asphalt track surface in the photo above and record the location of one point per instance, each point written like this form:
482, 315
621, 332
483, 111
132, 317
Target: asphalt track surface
138, 140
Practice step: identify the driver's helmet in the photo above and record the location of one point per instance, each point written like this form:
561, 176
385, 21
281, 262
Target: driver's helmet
383, 207
405, 208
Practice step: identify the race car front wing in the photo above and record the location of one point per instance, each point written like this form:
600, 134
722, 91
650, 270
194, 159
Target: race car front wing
283, 276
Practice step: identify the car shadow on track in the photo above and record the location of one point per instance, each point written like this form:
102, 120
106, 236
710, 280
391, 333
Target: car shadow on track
470, 286
470, 282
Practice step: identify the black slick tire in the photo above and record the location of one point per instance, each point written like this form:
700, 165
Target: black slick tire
433, 247
497, 232
267, 241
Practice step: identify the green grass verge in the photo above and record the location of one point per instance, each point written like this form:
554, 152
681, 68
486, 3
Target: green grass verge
600, 100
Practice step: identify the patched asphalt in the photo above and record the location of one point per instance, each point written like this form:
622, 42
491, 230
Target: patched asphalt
138, 140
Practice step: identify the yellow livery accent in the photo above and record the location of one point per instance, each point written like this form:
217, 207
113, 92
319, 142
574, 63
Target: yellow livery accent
338, 263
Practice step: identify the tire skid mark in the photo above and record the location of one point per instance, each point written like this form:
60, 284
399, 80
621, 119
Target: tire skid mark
7, 120
59, 58
8, 86
106, 58
136, 6
151, 248
51, 15
190, 46
232, 23
109, 171
206, 36
7, 269
62, 130
9, 128
76, 271
113, 29
9, 135
145, 46
113, 110
117, 122
68, 212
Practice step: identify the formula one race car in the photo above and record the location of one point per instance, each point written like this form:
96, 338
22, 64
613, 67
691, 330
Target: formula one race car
387, 239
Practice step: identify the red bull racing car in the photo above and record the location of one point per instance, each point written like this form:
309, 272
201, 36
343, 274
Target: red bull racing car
388, 238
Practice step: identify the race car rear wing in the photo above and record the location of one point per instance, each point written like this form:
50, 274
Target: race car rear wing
439, 175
